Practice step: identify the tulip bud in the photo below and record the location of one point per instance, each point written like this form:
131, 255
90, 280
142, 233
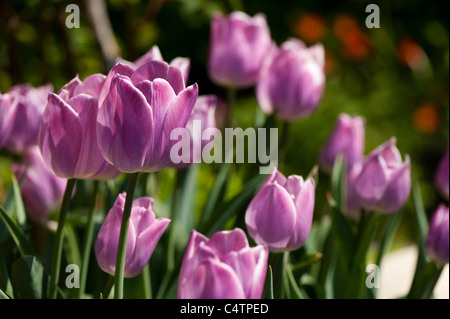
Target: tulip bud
144, 233
138, 114
441, 176
437, 239
222, 267
292, 80
347, 138
239, 44
204, 113
67, 136
280, 216
29, 104
41, 190
384, 183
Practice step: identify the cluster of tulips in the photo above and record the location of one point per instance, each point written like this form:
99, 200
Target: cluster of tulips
103, 126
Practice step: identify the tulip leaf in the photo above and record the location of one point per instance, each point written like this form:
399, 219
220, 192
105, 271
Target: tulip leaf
5, 282
3, 295
231, 207
217, 192
338, 182
20, 208
17, 234
29, 279
268, 289
388, 233
308, 260
422, 231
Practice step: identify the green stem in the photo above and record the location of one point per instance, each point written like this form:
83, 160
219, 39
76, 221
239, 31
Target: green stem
57, 249
108, 287
88, 238
276, 262
146, 282
283, 142
121, 250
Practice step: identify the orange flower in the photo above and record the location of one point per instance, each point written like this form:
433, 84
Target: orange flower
426, 118
356, 45
310, 27
410, 53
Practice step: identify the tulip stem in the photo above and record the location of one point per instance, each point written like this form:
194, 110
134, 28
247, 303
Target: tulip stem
121, 250
283, 141
88, 237
57, 249
108, 287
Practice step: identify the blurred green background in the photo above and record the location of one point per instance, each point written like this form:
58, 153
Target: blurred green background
395, 76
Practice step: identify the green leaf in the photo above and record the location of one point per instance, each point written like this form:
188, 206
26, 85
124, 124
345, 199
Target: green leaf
268, 289
339, 183
3, 295
28, 278
308, 260
217, 192
17, 234
388, 233
234, 205
4, 275
422, 231
20, 208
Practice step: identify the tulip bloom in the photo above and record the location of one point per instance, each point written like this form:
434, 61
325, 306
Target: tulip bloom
222, 267
347, 138
138, 113
353, 208
292, 80
441, 175
41, 190
280, 216
206, 110
437, 239
143, 235
239, 44
384, 182
154, 54
27, 105
67, 136
7, 111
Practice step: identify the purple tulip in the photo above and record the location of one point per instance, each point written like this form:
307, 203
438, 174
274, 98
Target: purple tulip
41, 190
29, 104
441, 175
347, 138
222, 267
437, 239
8, 107
67, 136
384, 183
154, 54
239, 44
205, 113
280, 216
138, 114
144, 233
292, 80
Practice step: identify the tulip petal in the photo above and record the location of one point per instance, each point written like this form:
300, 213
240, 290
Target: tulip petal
119, 68
92, 85
176, 116
60, 150
125, 126
398, 189
159, 69
304, 197
226, 241
270, 217
371, 183
212, 280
